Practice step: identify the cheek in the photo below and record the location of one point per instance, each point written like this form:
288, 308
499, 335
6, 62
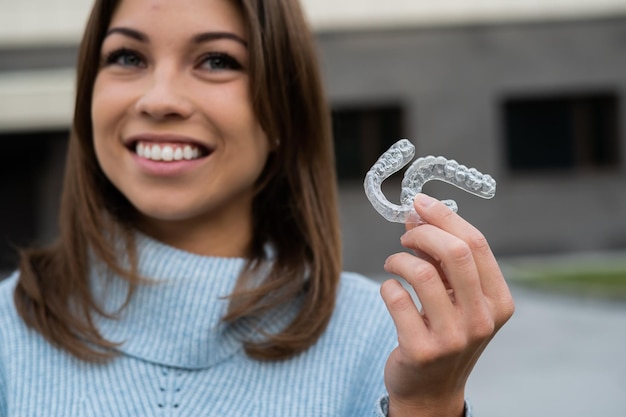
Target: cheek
108, 108
105, 118
240, 128
250, 155
100, 115
108, 104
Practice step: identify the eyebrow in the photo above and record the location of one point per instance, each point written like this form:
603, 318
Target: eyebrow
131, 33
211, 36
199, 38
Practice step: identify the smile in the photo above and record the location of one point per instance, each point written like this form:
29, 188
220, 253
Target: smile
168, 152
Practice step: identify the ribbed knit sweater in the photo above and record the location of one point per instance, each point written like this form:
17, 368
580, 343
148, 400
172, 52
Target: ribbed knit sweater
177, 358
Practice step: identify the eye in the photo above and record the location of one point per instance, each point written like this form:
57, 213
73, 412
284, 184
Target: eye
218, 61
124, 58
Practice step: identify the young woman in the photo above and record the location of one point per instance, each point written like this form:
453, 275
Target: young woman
198, 268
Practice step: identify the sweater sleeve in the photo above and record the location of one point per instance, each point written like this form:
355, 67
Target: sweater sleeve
3, 392
6, 307
382, 409
3, 382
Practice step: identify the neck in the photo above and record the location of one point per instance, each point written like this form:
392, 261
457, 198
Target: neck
227, 236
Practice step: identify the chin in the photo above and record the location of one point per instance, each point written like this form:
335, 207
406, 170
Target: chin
165, 213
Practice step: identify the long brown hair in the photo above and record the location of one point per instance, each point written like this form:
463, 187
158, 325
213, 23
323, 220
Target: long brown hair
295, 209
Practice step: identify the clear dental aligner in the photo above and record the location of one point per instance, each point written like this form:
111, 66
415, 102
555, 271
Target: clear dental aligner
420, 172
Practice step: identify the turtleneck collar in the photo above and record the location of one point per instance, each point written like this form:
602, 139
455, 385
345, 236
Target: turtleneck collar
175, 319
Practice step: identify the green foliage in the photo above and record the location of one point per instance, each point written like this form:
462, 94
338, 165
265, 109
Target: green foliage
604, 279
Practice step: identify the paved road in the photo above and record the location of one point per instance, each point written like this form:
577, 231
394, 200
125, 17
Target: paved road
557, 357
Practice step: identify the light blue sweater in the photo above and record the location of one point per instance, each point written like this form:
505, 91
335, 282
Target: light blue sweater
178, 359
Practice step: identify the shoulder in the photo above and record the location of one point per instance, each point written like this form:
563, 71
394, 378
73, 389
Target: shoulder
7, 286
355, 288
12, 327
361, 334
360, 307
359, 291
8, 314
8, 320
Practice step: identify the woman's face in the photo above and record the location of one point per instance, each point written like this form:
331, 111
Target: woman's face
173, 124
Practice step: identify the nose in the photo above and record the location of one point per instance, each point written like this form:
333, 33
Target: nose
164, 97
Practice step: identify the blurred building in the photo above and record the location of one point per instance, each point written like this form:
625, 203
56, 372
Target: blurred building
530, 93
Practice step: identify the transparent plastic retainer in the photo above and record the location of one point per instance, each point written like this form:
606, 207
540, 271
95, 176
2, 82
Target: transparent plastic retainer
419, 173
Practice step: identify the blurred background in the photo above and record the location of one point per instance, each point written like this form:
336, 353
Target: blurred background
530, 92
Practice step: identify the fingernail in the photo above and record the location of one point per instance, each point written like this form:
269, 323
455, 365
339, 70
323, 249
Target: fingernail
424, 200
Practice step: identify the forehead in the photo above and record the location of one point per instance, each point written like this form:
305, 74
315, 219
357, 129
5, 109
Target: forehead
179, 16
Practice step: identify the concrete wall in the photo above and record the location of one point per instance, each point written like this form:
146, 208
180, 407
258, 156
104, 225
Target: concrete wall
452, 82
57, 22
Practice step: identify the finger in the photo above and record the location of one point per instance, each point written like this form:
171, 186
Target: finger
428, 286
404, 313
436, 213
410, 226
456, 260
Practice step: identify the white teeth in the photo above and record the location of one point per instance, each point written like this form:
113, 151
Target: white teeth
187, 152
167, 153
155, 153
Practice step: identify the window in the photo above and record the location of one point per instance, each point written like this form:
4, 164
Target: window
562, 132
30, 171
361, 135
